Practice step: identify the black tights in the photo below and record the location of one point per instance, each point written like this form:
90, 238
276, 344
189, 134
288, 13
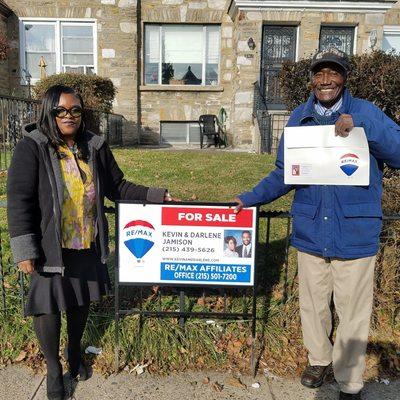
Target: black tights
47, 328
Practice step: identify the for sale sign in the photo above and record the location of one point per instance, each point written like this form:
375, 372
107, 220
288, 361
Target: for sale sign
186, 244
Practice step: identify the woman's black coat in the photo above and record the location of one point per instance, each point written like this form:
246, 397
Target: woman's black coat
35, 195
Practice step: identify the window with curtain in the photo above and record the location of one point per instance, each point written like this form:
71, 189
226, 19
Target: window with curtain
66, 46
391, 40
181, 54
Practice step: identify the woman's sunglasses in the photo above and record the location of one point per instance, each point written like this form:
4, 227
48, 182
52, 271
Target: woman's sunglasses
61, 112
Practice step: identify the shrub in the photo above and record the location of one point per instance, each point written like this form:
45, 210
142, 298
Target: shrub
98, 93
373, 76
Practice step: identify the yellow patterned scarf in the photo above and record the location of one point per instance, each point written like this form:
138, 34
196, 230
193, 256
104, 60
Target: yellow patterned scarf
78, 209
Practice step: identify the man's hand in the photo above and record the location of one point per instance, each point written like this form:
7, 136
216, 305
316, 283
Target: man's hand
239, 206
27, 266
344, 125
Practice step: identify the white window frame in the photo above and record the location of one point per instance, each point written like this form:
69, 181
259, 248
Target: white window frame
204, 55
390, 29
57, 23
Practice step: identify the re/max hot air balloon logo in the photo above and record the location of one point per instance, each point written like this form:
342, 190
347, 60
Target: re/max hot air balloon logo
349, 163
138, 237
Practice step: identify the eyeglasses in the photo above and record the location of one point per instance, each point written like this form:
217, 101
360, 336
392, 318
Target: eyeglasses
61, 112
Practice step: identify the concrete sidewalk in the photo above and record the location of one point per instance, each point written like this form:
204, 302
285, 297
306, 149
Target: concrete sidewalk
18, 383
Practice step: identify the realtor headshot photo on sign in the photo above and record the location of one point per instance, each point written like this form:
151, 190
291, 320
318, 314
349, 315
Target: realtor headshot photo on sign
335, 227
237, 243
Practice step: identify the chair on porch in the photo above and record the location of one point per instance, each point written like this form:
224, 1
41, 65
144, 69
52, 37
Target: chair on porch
211, 128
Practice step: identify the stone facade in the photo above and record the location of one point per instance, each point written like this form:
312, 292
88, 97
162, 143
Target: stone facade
249, 23
4, 81
120, 32
185, 103
116, 45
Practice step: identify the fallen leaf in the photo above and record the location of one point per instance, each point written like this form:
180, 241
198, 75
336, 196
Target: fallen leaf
217, 387
236, 382
21, 356
201, 301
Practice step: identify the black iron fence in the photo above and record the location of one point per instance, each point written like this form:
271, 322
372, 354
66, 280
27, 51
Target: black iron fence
15, 112
271, 123
13, 284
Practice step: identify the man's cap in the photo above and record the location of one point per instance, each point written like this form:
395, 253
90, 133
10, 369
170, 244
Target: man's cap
331, 55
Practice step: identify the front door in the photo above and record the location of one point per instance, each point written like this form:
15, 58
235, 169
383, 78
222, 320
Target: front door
279, 45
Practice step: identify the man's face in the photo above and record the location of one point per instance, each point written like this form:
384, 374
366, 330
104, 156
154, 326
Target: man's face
328, 83
246, 238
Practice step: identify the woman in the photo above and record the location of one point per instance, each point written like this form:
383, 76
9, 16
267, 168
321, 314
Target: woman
58, 177
230, 247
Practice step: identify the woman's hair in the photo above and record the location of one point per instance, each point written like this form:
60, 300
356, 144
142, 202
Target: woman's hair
229, 238
47, 121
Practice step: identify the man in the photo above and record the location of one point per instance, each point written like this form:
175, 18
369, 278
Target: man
335, 228
244, 250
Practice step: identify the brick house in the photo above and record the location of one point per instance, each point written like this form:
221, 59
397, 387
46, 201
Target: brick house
173, 60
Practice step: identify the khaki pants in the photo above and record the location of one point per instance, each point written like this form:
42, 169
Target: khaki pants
351, 282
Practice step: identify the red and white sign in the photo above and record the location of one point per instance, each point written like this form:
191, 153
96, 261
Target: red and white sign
186, 244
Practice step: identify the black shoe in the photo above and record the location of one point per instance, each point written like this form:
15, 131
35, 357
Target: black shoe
83, 373
348, 396
71, 385
60, 396
314, 375
56, 396
54, 383
55, 388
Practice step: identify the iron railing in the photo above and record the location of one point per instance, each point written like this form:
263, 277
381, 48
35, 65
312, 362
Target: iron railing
13, 285
15, 112
270, 123
261, 114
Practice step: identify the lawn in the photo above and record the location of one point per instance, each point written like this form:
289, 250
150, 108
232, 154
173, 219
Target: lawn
215, 176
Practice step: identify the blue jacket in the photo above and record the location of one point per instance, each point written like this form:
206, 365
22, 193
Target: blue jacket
337, 221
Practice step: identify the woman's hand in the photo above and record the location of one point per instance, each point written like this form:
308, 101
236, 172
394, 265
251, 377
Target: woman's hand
239, 206
27, 266
168, 197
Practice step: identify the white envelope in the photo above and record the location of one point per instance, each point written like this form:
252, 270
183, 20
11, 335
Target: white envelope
313, 155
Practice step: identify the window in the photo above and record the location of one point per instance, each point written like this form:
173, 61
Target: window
66, 46
181, 55
391, 39
341, 37
181, 132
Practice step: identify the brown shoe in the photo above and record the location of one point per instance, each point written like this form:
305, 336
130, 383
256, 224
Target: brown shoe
348, 396
314, 375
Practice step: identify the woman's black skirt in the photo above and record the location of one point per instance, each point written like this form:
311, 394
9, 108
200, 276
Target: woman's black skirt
85, 280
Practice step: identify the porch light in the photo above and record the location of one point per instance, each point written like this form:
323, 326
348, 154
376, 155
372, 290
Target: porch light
251, 43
